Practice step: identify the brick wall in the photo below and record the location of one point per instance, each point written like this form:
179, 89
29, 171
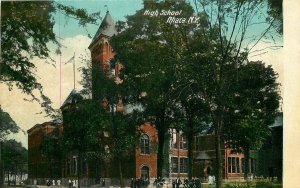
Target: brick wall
38, 166
149, 160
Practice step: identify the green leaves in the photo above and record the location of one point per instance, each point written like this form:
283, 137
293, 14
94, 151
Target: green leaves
14, 156
7, 125
26, 31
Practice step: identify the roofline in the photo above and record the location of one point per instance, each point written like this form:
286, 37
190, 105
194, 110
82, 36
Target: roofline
95, 41
41, 124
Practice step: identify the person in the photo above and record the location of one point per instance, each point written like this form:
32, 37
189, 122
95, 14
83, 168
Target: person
178, 182
70, 183
186, 183
103, 182
132, 183
58, 183
159, 182
192, 182
173, 184
48, 183
197, 183
210, 180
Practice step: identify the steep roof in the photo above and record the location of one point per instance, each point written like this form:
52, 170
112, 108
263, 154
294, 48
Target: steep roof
74, 96
107, 28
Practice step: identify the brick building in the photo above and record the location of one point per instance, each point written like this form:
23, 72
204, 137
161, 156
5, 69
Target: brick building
102, 54
39, 166
143, 162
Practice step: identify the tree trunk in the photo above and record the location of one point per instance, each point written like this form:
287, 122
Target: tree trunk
190, 149
246, 161
163, 149
120, 173
79, 168
8, 178
16, 173
219, 161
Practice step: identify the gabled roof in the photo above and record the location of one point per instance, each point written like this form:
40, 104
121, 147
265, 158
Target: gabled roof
74, 96
107, 28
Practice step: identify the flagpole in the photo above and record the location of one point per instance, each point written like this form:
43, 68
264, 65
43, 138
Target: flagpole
74, 70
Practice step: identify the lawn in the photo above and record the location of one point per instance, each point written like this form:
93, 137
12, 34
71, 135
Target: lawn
253, 184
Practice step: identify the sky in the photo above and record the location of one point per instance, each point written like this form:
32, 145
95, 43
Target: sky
75, 40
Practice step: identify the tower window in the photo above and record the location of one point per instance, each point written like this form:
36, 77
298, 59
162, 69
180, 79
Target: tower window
145, 144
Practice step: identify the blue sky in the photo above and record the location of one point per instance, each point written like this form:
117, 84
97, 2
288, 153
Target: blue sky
118, 9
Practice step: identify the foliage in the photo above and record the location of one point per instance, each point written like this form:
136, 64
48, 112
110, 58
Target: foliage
7, 125
14, 156
185, 68
255, 106
275, 11
26, 31
82, 123
51, 146
222, 47
150, 48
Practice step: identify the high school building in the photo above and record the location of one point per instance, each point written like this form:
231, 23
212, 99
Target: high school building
143, 163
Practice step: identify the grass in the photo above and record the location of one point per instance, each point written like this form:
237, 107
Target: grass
252, 184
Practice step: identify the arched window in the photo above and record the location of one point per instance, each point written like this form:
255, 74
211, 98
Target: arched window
145, 144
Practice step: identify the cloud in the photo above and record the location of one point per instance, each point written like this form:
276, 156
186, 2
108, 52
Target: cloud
274, 56
26, 114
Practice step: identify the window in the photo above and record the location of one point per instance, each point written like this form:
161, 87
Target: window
183, 142
243, 164
173, 138
145, 144
233, 165
174, 164
183, 165
251, 163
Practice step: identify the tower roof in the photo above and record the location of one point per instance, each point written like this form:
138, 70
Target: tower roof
107, 28
73, 97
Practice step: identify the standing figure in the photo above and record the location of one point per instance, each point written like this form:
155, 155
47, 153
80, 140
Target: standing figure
132, 183
178, 182
70, 183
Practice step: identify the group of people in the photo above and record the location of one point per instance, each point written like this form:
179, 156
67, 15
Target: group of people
193, 183
49, 182
139, 183
72, 183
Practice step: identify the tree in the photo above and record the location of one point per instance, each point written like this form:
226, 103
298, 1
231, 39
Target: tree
121, 125
7, 125
83, 121
150, 49
53, 152
26, 31
229, 39
254, 108
14, 158
275, 11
